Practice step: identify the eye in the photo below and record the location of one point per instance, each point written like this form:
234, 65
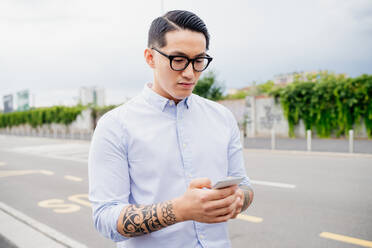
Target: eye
179, 59
199, 60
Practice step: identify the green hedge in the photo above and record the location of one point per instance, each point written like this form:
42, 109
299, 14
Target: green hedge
39, 116
328, 103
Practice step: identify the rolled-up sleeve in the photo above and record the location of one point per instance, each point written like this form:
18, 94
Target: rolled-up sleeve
236, 165
109, 183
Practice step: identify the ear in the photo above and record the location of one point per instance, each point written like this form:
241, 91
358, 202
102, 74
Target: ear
148, 54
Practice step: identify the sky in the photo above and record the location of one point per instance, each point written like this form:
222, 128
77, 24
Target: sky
54, 47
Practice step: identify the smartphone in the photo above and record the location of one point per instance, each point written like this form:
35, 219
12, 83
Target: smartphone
228, 181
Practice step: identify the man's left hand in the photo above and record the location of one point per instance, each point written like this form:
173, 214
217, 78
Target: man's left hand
239, 195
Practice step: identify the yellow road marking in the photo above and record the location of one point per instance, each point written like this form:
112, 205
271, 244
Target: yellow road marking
77, 199
2, 163
249, 218
346, 239
72, 178
10, 173
59, 206
46, 172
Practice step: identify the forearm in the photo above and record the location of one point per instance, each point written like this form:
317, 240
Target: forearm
248, 196
137, 220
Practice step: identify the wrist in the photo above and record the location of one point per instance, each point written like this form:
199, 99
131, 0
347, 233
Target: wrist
178, 209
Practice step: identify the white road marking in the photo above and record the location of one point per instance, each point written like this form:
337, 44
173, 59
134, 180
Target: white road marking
2, 163
72, 178
274, 184
40, 227
77, 152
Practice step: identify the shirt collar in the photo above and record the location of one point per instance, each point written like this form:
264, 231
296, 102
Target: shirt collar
159, 101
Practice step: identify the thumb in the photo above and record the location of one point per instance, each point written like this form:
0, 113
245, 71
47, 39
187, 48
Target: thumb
200, 183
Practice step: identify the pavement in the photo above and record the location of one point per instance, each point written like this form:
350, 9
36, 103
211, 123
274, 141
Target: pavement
19, 230
320, 145
302, 199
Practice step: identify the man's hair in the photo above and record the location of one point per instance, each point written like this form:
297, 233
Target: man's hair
175, 20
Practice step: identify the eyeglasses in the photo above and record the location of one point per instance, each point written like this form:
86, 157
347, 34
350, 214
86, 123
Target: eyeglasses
180, 63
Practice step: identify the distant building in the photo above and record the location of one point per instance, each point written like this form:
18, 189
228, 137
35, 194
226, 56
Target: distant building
8, 103
232, 91
287, 78
92, 95
23, 100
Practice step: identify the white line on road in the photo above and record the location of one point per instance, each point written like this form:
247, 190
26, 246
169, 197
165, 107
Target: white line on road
72, 178
274, 184
2, 163
40, 227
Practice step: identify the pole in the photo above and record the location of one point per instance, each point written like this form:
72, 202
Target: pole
272, 139
351, 141
309, 140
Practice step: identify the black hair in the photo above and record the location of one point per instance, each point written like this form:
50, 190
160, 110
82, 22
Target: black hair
175, 20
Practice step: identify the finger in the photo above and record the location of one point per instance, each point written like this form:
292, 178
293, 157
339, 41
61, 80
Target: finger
217, 194
200, 183
222, 203
220, 219
236, 209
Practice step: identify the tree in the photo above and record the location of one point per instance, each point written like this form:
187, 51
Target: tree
208, 87
266, 88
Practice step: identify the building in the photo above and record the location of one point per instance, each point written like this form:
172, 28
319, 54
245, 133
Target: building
287, 78
92, 95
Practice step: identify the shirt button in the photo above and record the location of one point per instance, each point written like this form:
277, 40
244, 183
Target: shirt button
170, 103
184, 145
201, 237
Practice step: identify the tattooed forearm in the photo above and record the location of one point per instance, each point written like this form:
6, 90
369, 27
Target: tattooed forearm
248, 196
139, 219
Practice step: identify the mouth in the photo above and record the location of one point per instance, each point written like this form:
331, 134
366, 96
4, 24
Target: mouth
186, 85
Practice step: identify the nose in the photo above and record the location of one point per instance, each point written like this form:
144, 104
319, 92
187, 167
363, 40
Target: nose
188, 72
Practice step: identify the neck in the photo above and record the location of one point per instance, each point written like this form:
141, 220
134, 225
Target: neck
157, 89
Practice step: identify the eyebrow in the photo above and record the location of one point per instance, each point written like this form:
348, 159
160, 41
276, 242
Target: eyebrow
184, 54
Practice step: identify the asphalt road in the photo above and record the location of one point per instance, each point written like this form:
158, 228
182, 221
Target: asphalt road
301, 199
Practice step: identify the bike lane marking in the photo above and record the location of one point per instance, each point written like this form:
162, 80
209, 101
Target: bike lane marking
10, 173
346, 239
73, 178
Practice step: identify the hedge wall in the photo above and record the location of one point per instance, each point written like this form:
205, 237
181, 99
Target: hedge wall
328, 103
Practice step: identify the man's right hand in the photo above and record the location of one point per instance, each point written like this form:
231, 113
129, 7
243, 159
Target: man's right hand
203, 205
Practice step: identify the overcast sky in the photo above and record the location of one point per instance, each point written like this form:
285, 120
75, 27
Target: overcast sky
54, 47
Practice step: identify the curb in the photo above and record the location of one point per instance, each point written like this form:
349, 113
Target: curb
26, 232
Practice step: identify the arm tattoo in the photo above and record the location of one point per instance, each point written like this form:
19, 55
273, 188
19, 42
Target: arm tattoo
140, 219
248, 196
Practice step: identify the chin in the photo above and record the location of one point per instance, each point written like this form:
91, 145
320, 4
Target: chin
182, 96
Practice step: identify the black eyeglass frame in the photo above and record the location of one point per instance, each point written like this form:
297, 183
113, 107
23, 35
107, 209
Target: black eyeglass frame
171, 57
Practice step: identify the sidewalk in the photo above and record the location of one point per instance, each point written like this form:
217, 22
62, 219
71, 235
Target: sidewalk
318, 145
20, 231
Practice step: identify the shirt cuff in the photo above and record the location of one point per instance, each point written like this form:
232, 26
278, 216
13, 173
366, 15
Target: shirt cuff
115, 235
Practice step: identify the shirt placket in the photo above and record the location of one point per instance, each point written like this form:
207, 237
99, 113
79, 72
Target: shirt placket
189, 170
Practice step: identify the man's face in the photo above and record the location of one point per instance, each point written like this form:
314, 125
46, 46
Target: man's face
177, 85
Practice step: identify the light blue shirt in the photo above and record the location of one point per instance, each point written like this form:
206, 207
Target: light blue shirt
148, 150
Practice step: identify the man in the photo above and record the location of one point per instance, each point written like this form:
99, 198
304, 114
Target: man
153, 160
